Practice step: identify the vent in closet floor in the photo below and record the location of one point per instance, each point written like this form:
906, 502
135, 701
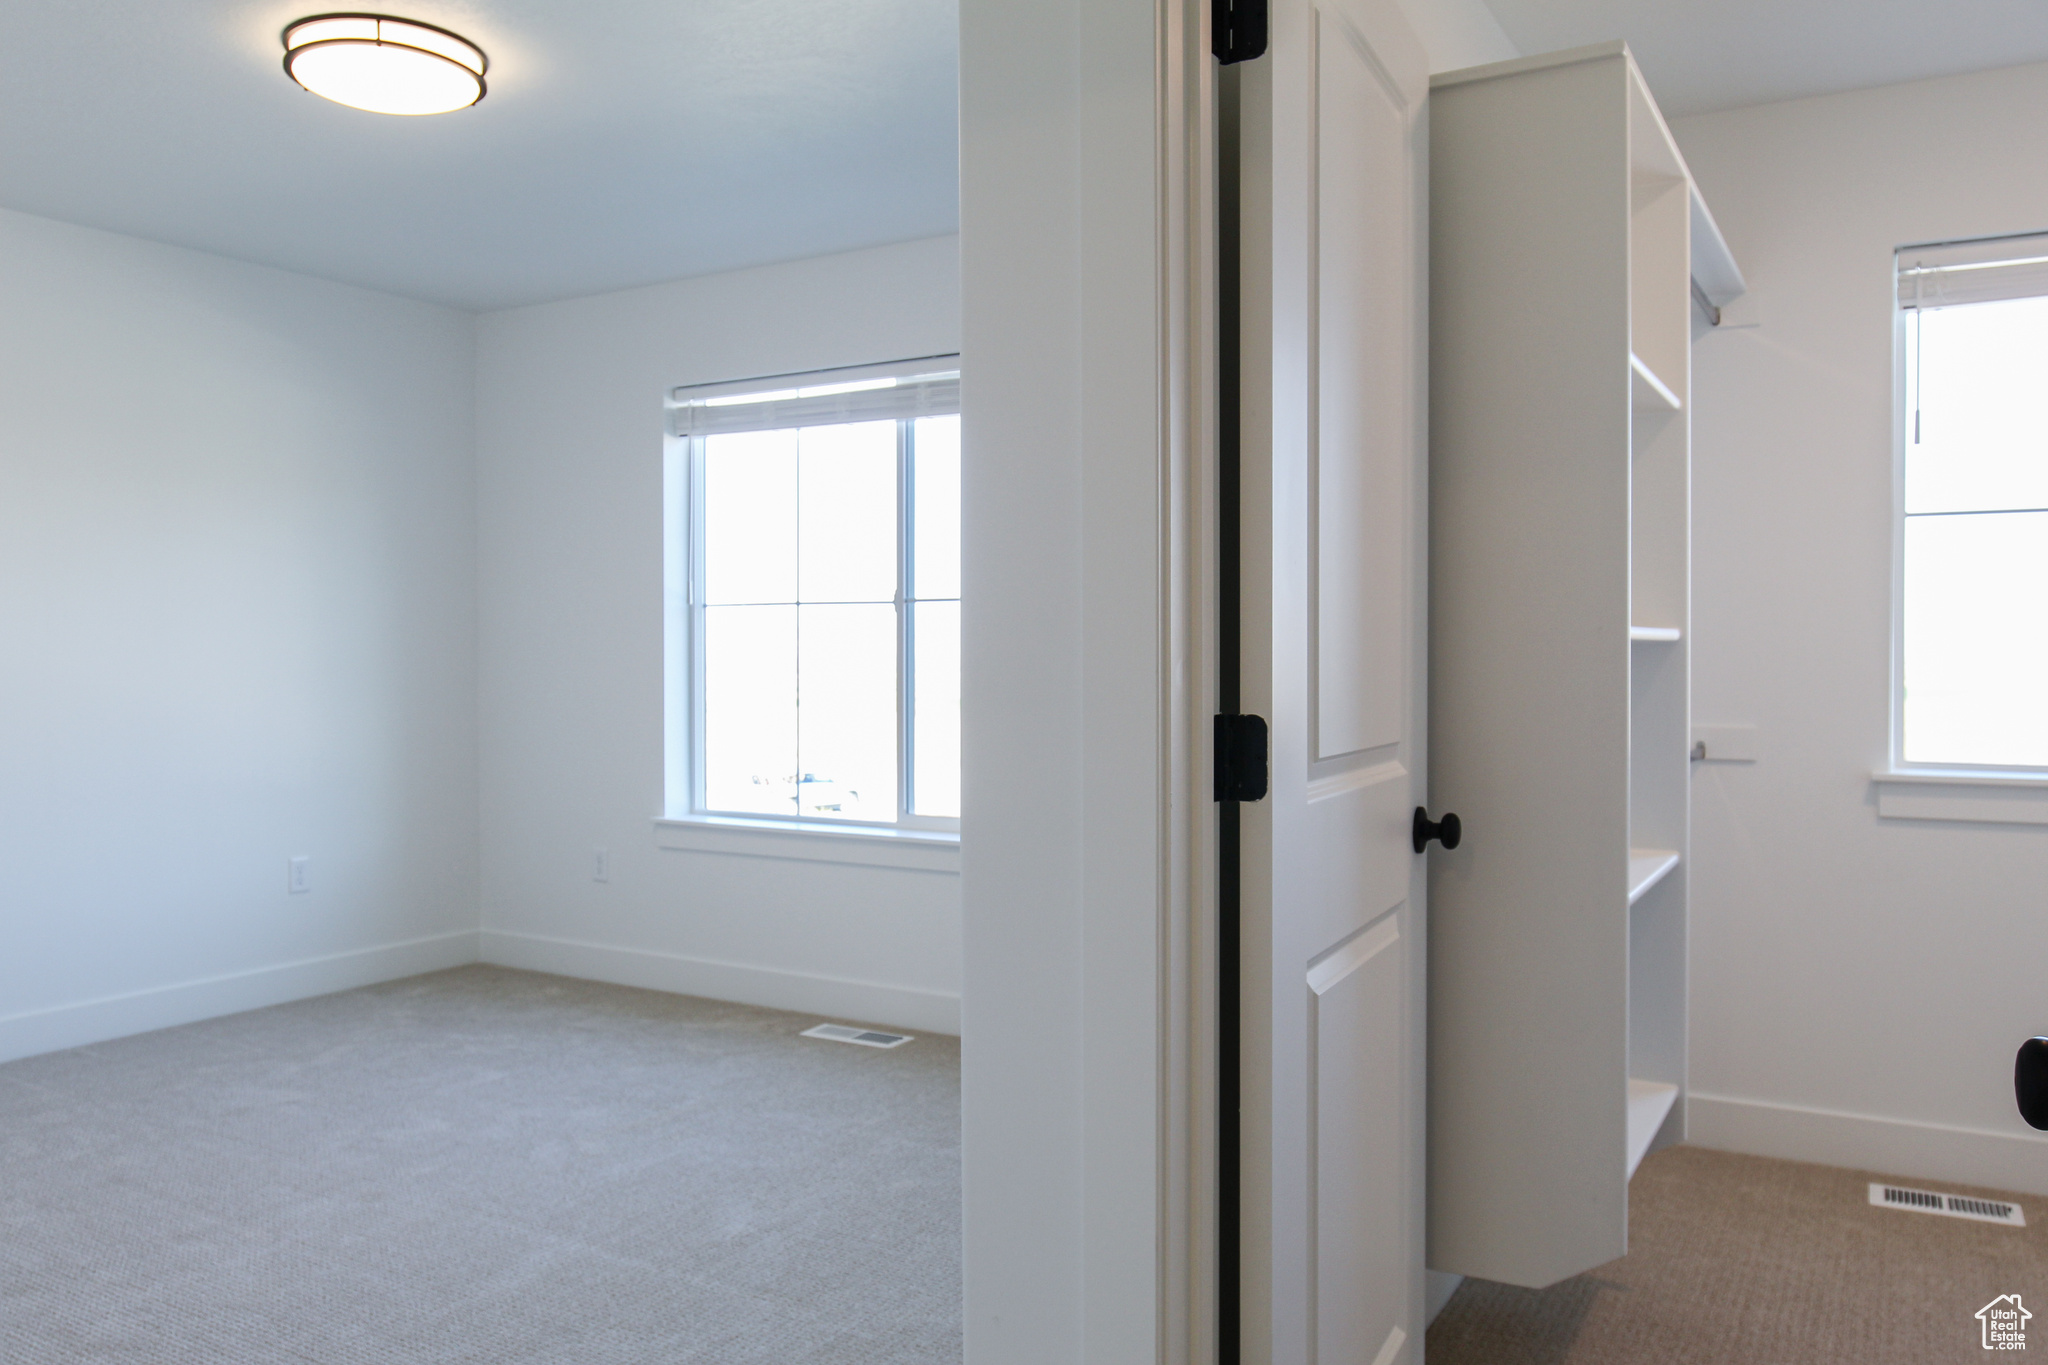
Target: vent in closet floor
1948, 1205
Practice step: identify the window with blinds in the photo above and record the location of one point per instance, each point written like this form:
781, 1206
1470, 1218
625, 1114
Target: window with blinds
1972, 612
814, 566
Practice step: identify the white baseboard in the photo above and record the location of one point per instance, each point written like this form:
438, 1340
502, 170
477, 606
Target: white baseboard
1894, 1147
865, 1002
186, 1002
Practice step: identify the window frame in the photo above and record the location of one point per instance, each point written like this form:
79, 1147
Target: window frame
684, 688
1905, 412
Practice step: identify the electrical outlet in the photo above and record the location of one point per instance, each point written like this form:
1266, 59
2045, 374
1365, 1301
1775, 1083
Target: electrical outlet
600, 865
299, 875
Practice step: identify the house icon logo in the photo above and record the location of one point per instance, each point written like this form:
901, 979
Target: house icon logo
2005, 1323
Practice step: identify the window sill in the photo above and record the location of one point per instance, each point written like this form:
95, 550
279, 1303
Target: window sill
1971, 794
914, 850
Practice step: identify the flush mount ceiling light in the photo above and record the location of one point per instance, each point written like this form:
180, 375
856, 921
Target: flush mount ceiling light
384, 65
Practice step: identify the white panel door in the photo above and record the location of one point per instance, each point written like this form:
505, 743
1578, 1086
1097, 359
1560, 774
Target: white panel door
1330, 195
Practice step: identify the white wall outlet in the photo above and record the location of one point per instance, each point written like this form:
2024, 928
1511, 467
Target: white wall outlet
299, 875
600, 865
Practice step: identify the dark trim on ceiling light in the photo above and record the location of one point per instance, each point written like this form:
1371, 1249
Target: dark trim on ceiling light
483, 87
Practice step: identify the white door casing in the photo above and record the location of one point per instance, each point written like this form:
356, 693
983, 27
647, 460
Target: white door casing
1330, 173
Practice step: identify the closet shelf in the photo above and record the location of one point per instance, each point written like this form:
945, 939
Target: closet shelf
1648, 1103
1646, 867
1661, 634
1649, 391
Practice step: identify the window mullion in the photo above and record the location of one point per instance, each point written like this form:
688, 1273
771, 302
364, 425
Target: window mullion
906, 620
694, 520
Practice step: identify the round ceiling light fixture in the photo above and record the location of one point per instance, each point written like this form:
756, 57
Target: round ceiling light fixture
384, 65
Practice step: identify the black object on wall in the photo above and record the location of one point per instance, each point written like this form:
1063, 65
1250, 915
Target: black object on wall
2030, 1081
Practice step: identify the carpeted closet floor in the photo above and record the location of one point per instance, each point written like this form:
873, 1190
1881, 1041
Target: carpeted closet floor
482, 1166
1741, 1260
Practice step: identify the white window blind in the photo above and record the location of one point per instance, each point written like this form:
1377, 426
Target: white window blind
928, 386
1986, 271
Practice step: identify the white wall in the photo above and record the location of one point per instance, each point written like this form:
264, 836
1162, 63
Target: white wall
236, 624
569, 404
1859, 984
1458, 33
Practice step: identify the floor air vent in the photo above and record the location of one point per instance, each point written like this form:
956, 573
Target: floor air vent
1949, 1205
866, 1037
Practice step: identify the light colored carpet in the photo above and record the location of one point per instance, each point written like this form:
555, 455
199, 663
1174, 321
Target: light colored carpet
482, 1166
1740, 1260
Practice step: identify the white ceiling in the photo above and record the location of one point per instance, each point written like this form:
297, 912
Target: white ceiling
628, 141
1699, 55
622, 142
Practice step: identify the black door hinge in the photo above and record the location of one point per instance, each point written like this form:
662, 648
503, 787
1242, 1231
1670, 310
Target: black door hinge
1240, 758
1237, 29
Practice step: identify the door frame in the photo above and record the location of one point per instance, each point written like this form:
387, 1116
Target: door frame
1088, 843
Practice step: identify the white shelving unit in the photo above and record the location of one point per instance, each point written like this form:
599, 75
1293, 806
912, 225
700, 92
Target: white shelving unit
1566, 240
1648, 1104
1646, 867
1648, 392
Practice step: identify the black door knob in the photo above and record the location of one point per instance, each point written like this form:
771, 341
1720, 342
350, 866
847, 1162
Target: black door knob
2030, 1081
1447, 829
